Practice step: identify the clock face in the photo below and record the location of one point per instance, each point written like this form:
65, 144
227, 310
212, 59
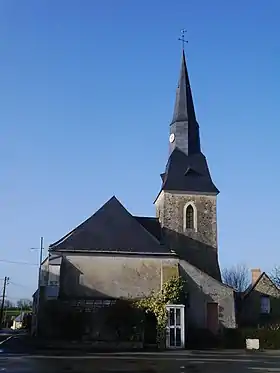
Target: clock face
171, 137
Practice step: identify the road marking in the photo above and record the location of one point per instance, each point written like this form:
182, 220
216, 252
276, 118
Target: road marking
267, 369
197, 360
91, 357
5, 340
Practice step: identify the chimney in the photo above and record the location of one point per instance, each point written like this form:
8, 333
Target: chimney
256, 272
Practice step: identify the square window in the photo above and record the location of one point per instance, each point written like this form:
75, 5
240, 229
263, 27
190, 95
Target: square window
265, 304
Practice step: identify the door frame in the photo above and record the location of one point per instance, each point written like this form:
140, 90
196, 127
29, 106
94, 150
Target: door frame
181, 307
206, 316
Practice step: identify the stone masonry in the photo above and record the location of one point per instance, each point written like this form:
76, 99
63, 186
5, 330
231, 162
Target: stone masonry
203, 289
122, 276
170, 211
198, 246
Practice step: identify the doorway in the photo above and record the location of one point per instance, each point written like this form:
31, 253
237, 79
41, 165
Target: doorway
175, 333
213, 317
150, 329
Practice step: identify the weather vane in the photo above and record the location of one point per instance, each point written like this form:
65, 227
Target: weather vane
182, 38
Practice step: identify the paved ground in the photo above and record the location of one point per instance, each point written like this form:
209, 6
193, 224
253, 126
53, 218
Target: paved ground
184, 362
162, 362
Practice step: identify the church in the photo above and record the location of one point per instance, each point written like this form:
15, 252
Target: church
116, 255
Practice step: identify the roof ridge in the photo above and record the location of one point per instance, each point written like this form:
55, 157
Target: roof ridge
207, 275
67, 235
252, 286
113, 228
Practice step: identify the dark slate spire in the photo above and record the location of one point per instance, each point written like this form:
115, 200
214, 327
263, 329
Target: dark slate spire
184, 108
184, 129
187, 168
188, 173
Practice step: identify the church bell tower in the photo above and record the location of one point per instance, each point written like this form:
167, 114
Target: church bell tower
186, 203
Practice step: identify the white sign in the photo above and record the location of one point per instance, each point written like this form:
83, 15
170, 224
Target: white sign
252, 344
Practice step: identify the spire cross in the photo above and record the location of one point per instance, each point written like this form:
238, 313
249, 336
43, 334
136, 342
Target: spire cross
182, 38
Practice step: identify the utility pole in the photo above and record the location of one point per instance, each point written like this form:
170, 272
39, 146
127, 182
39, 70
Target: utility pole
39, 285
6, 279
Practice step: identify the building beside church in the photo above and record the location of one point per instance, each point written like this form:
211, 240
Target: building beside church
259, 304
116, 255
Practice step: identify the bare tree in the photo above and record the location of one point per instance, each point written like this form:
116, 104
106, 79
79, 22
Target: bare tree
275, 275
8, 304
24, 303
237, 277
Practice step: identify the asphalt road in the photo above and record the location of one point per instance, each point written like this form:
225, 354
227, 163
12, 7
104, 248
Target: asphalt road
14, 360
184, 362
14, 343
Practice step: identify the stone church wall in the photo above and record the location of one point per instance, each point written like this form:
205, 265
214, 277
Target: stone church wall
203, 289
91, 276
84, 276
171, 210
198, 246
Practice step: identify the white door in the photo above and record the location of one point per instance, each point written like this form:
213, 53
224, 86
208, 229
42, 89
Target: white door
175, 333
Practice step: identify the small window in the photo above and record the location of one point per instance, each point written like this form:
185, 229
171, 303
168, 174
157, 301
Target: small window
265, 304
189, 217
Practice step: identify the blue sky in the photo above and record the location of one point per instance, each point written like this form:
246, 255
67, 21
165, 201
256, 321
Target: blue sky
87, 91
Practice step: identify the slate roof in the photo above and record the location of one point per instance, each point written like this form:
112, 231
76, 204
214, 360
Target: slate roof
184, 263
188, 173
20, 317
251, 287
152, 225
55, 259
113, 229
184, 109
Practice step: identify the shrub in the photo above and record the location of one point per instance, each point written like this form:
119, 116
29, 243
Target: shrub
198, 338
172, 292
125, 320
235, 338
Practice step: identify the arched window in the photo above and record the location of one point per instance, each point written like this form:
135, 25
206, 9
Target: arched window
189, 217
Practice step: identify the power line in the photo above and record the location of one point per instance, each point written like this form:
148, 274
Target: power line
20, 285
15, 298
10, 298
14, 262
